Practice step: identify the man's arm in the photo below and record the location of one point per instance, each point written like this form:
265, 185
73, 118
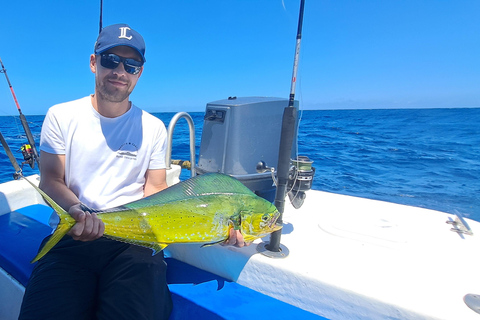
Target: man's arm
52, 182
155, 181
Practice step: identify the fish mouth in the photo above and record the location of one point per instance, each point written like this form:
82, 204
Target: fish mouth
277, 226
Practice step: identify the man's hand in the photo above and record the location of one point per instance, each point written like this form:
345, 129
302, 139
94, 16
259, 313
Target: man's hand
52, 168
235, 238
88, 227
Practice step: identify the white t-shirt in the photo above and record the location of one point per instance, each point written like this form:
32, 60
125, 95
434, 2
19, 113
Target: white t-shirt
105, 158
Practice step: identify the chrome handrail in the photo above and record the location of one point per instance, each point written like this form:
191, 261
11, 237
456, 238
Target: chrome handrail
171, 127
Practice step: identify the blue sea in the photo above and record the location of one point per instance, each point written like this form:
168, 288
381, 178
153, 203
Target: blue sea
427, 158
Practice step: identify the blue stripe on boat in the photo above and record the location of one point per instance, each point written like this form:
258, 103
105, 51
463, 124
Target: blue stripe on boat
20, 238
198, 294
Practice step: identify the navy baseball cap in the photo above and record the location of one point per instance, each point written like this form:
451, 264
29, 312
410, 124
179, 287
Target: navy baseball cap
120, 35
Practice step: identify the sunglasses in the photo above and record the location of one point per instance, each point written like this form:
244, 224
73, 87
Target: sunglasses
111, 61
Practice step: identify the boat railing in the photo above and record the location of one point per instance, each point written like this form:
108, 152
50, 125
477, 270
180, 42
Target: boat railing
191, 128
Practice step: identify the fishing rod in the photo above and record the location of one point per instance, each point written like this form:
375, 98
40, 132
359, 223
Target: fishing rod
101, 16
289, 123
29, 151
18, 170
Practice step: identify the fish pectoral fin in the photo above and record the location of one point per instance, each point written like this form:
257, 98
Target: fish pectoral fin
155, 246
211, 244
236, 221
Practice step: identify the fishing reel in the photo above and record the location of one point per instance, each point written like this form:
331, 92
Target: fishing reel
27, 153
300, 178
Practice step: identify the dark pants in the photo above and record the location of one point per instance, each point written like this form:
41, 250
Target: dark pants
101, 279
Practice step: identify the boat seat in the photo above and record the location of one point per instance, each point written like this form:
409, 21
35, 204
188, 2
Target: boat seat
20, 238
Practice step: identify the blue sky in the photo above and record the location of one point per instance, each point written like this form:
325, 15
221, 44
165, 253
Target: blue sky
354, 54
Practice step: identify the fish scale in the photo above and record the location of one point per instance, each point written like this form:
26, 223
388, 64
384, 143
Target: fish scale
175, 222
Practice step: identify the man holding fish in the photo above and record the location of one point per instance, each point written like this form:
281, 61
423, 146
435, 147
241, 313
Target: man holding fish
100, 152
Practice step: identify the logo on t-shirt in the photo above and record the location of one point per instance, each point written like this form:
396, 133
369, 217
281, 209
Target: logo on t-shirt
128, 150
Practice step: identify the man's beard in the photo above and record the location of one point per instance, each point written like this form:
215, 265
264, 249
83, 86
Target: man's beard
111, 94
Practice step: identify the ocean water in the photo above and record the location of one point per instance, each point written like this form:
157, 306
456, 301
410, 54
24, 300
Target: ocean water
427, 158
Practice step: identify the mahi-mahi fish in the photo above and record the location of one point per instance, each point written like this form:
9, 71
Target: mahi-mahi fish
201, 209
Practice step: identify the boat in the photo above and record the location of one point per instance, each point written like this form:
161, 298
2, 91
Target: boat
340, 257
336, 257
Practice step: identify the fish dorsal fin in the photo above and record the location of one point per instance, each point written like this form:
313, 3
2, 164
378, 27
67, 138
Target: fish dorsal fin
205, 184
213, 183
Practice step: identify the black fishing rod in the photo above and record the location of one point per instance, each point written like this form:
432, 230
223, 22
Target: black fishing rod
18, 170
28, 150
289, 123
101, 16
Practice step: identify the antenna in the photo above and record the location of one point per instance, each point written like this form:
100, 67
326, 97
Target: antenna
101, 16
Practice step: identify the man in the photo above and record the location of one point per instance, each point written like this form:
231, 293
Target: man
102, 151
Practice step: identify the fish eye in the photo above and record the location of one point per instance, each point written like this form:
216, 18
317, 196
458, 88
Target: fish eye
265, 218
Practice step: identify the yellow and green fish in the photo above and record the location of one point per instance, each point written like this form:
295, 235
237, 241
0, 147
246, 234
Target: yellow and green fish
202, 209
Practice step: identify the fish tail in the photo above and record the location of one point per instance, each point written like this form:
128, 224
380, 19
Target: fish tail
60, 231
65, 224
